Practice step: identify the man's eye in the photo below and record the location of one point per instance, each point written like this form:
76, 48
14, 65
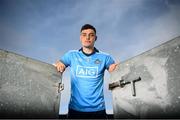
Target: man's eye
84, 35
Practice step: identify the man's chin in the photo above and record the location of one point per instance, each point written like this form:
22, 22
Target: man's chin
88, 46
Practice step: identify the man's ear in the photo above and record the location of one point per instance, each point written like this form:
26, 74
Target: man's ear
96, 38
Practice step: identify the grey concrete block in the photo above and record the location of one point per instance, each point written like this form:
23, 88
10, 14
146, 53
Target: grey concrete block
157, 94
28, 88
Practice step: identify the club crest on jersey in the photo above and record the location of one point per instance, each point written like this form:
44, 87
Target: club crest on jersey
86, 72
97, 61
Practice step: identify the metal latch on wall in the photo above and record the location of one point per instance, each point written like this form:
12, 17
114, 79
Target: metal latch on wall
60, 87
124, 81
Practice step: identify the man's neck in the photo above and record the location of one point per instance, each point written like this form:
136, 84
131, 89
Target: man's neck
88, 50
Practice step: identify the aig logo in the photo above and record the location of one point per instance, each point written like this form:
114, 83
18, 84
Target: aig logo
86, 72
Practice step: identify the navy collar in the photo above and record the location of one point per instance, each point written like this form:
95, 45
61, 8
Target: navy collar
95, 50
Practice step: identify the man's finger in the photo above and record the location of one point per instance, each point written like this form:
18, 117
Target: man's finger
54, 65
61, 69
58, 69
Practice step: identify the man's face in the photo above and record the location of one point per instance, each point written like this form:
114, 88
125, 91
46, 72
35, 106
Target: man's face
88, 38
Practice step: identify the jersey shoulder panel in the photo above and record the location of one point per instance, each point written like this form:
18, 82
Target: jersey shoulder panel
103, 53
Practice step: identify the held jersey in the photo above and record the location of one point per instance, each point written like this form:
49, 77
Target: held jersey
87, 76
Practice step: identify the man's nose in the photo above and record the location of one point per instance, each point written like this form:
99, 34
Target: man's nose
87, 37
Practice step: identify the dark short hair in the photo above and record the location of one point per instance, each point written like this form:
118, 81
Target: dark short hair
88, 26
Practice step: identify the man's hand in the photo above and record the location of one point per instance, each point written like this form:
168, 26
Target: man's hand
112, 67
60, 66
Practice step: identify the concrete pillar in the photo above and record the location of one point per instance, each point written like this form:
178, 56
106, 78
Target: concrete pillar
28, 88
157, 93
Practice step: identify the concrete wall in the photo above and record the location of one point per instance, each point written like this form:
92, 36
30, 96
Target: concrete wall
157, 94
28, 88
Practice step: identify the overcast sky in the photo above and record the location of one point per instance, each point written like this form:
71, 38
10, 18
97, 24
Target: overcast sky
46, 29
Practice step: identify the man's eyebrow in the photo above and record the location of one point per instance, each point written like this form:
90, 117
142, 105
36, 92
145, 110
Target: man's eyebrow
92, 33
83, 33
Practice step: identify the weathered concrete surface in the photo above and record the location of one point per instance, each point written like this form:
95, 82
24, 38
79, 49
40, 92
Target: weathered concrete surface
158, 92
27, 87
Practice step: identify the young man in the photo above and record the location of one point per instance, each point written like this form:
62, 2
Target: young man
87, 66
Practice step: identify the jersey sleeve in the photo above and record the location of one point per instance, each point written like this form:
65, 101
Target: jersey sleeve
65, 59
109, 61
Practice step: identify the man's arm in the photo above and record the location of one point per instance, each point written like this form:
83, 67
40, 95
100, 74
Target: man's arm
60, 66
112, 67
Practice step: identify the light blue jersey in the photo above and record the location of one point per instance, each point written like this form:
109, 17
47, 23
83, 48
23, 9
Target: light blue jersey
87, 76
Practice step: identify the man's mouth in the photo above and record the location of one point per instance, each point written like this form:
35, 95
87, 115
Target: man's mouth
87, 41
